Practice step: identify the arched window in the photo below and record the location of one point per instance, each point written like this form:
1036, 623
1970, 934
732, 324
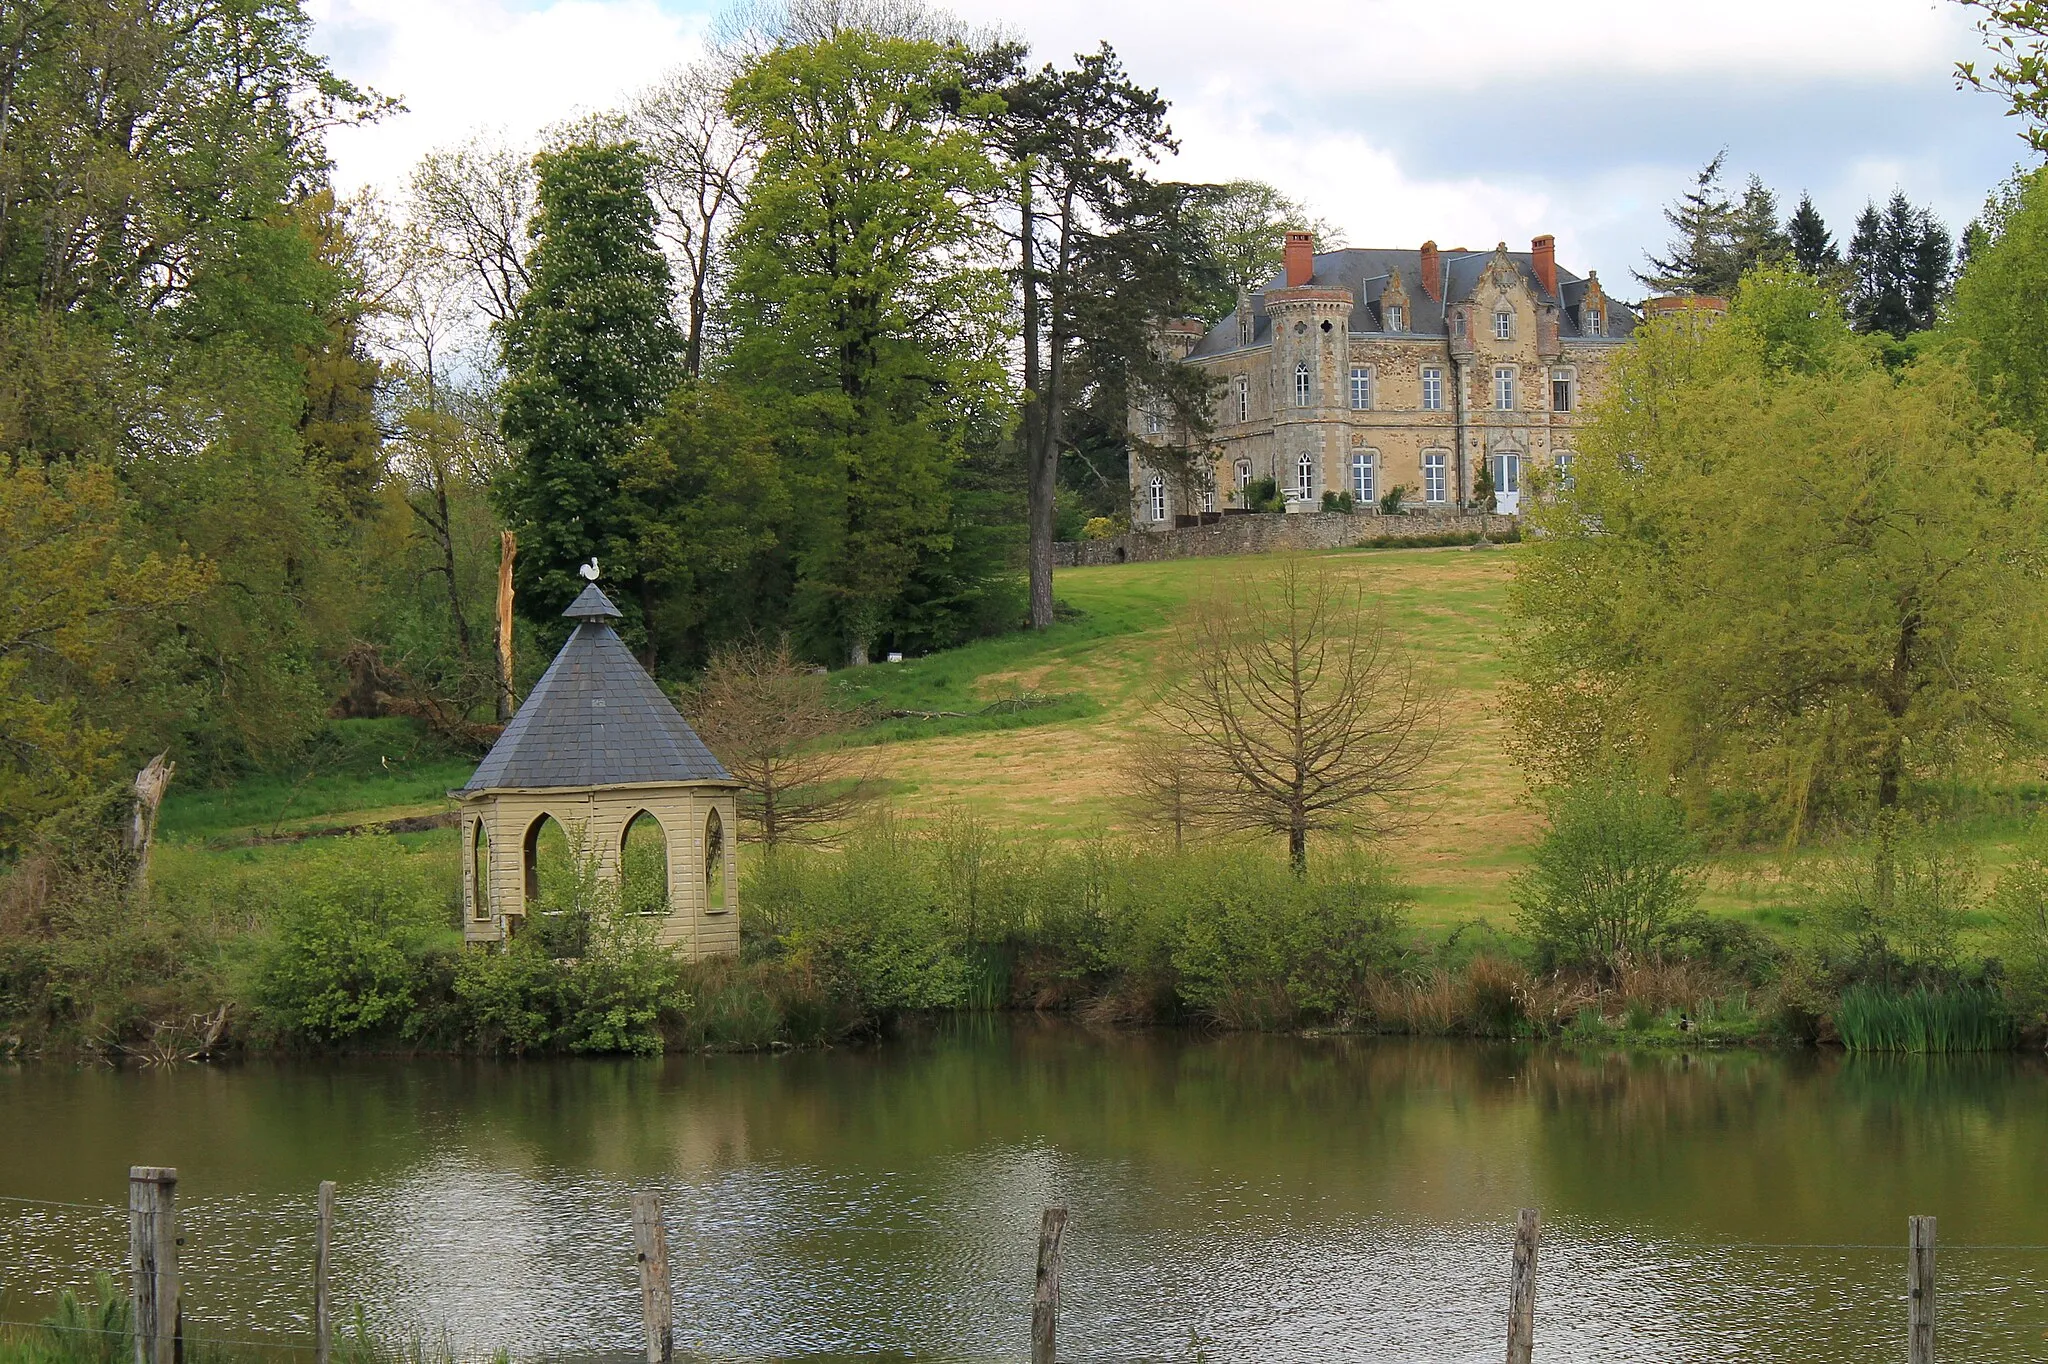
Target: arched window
1158, 491
1364, 480
1301, 390
479, 872
643, 866
1306, 472
714, 863
550, 867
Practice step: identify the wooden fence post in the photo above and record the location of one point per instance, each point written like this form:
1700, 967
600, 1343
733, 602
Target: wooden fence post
650, 1248
323, 1312
1920, 1276
153, 1263
1522, 1290
1045, 1300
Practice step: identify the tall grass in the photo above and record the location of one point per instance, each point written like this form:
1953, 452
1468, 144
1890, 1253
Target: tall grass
1871, 1018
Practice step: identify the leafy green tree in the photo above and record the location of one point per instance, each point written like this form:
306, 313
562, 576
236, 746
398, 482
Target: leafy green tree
1243, 224
590, 352
867, 303
1997, 309
1787, 580
2016, 32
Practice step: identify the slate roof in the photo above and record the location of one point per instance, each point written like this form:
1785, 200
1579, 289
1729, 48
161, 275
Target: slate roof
1366, 271
595, 718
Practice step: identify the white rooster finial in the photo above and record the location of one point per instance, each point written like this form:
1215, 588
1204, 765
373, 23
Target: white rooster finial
589, 570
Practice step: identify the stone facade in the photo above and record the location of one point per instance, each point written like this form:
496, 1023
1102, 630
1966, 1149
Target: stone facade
1261, 533
1364, 370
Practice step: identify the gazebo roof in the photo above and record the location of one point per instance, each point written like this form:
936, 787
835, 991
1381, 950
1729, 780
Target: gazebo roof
595, 718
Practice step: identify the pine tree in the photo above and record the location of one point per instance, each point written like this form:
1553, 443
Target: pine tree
1929, 270
1754, 235
1700, 256
590, 353
1813, 246
1900, 260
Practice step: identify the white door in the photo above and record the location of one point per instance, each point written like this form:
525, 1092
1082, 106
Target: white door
1507, 482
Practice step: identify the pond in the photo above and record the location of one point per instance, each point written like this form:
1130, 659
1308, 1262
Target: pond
1232, 1198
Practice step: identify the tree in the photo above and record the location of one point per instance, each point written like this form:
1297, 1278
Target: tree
1996, 307
770, 719
2016, 31
1787, 581
1754, 237
475, 204
700, 161
1900, 260
1299, 710
867, 302
1701, 257
1813, 246
590, 352
1244, 224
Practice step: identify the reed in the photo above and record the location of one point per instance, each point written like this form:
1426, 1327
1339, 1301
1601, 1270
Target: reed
1872, 1019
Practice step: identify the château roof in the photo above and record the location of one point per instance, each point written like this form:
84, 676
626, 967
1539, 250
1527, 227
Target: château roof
1367, 271
595, 718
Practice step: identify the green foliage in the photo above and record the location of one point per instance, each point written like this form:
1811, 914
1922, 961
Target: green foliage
1615, 873
590, 352
1784, 572
1262, 495
1390, 501
353, 936
1897, 905
2016, 33
1338, 502
1872, 1018
2019, 908
1993, 310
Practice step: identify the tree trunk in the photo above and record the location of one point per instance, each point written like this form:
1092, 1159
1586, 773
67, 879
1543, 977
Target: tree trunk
1297, 847
857, 653
1040, 473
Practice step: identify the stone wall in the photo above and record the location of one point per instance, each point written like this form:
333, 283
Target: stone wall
1264, 532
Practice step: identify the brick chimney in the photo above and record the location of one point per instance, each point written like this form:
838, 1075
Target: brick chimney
1543, 258
1432, 272
1301, 258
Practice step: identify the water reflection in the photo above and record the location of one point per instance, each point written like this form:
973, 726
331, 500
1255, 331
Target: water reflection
1263, 1198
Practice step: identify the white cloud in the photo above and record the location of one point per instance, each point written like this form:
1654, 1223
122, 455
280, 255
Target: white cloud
467, 65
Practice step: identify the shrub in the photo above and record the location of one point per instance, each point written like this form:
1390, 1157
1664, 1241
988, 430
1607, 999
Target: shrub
1896, 907
352, 928
1263, 495
2019, 905
1339, 502
1390, 502
1612, 875
1102, 528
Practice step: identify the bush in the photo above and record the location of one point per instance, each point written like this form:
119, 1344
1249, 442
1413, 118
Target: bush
1102, 528
1339, 502
1612, 876
1263, 495
2019, 905
354, 926
1390, 502
1894, 910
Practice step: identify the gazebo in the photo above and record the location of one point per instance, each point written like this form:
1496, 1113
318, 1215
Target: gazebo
599, 750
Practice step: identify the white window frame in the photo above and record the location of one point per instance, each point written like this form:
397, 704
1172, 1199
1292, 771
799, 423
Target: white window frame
1304, 384
1155, 424
1361, 388
1244, 474
1595, 320
1432, 389
1506, 468
1305, 477
1397, 318
1436, 467
1158, 491
1209, 498
1570, 379
1503, 325
1244, 397
1245, 327
1503, 388
1365, 481
1561, 465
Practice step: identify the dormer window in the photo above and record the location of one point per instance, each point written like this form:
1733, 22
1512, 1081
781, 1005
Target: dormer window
1595, 323
1396, 320
1301, 384
1503, 324
1244, 328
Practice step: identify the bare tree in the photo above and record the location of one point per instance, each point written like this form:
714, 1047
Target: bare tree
1300, 709
473, 202
701, 162
771, 721
1164, 784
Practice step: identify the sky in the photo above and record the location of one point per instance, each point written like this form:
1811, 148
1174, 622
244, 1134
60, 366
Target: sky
1395, 121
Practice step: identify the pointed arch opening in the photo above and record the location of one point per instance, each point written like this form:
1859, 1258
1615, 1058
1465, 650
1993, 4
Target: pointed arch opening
643, 865
549, 864
479, 871
714, 864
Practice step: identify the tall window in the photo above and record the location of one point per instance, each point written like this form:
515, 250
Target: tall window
479, 872
1244, 328
1434, 465
1301, 384
1596, 323
1209, 499
714, 863
1158, 490
1244, 398
1154, 422
1395, 318
1361, 388
1504, 389
1562, 382
1364, 487
1432, 389
1507, 474
1562, 461
1244, 474
1305, 476
1503, 324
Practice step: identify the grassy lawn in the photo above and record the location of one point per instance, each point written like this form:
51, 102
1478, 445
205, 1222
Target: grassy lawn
1049, 766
